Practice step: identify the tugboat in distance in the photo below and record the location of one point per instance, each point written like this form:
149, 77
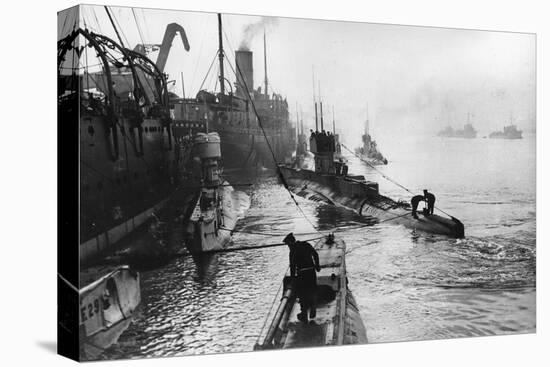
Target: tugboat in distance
508, 132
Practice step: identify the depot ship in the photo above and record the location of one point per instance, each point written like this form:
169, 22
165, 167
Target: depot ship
130, 161
249, 121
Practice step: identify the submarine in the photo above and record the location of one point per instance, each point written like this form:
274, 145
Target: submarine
338, 321
330, 182
218, 206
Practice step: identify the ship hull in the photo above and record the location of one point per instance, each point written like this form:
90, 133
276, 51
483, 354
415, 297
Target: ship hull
504, 136
243, 148
373, 161
363, 198
119, 190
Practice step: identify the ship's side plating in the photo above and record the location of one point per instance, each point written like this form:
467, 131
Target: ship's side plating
128, 158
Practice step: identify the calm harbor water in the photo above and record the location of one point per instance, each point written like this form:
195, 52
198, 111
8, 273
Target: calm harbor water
409, 286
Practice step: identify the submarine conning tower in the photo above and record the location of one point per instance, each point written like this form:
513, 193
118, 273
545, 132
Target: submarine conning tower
323, 147
207, 149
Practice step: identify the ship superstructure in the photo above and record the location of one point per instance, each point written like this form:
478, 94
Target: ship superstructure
246, 140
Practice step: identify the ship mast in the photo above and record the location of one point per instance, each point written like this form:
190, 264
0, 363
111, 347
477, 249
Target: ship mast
297, 121
333, 123
367, 124
265, 65
221, 54
314, 101
320, 105
321, 111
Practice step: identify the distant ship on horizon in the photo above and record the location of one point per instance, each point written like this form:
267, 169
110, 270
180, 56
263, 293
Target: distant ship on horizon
508, 132
468, 132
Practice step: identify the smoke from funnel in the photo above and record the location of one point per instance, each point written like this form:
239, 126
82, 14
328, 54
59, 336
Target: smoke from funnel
251, 30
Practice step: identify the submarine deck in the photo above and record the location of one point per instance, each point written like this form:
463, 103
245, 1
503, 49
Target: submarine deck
337, 321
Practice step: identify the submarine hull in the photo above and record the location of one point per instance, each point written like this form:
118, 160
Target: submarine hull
210, 230
338, 321
354, 193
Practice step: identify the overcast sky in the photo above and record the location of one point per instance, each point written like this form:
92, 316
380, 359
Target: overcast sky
414, 79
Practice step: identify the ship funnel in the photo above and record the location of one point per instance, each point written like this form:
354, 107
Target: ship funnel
243, 60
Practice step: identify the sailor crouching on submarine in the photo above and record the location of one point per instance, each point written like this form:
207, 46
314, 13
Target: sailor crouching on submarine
414, 204
429, 198
304, 262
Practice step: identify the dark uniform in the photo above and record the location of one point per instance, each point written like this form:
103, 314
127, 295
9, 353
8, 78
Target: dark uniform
414, 203
430, 200
304, 262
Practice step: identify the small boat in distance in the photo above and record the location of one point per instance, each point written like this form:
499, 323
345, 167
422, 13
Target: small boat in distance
468, 132
508, 132
338, 321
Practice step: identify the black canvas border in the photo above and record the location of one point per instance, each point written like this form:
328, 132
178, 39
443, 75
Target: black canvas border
68, 214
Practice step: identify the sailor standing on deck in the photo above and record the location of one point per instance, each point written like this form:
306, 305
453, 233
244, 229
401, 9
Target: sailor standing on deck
304, 262
430, 200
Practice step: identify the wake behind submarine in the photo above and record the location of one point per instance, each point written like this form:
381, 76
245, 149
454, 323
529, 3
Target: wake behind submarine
331, 183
